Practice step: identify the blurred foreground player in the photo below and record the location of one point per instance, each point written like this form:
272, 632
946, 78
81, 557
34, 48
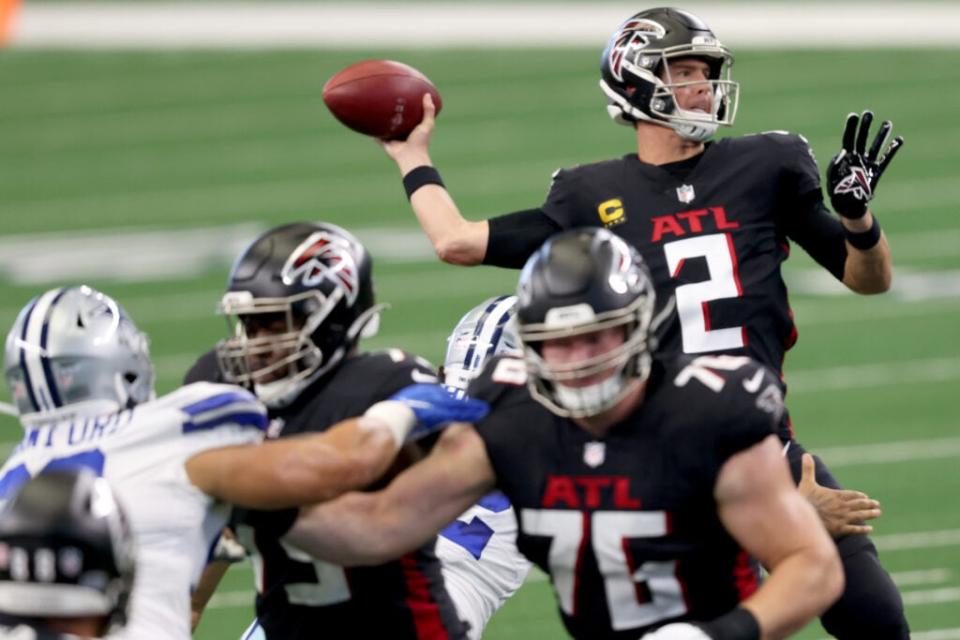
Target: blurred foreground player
66, 559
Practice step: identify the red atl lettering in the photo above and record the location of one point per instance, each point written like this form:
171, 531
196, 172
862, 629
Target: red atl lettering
693, 219
720, 217
586, 492
666, 224
679, 224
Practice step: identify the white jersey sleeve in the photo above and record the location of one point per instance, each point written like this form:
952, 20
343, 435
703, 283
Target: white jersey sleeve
142, 452
480, 562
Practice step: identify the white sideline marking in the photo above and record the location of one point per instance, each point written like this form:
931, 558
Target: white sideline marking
930, 576
885, 452
342, 25
931, 596
917, 540
135, 255
937, 634
909, 285
873, 375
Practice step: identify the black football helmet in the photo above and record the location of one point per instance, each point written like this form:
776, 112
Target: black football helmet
578, 282
66, 550
317, 279
635, 73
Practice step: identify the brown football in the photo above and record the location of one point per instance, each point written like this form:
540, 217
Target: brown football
380, 98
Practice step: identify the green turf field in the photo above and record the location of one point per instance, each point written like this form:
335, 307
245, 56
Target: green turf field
97, 142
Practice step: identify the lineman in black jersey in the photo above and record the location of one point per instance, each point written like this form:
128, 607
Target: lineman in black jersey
642, 486
714, 221
302, 296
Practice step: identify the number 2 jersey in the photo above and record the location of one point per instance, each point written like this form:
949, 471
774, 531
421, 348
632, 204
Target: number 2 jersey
300, 598
715, 235
141, 452
626, 525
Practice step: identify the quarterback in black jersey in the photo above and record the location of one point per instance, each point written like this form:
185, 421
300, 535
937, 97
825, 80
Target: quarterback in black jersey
643, 486
300, 297
714, 221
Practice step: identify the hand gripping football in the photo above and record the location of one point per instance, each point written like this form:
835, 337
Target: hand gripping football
379, 98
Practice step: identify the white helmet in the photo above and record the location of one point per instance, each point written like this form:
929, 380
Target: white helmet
483, 332
75, 351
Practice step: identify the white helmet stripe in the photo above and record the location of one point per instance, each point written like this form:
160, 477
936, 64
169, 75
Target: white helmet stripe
32, 353
489, 330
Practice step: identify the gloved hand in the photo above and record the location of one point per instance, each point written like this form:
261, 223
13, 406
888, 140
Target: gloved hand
434, 406
677, 631
852, 177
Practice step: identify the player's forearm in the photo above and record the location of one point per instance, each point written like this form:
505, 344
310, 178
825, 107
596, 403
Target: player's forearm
349, 531
800, 588
455, 239
870, 270
322, 466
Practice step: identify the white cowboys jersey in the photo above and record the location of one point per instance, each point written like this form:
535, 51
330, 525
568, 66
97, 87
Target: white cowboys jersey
142, 452
481, 564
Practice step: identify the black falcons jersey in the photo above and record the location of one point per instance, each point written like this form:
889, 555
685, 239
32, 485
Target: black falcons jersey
715, 238
626, 525
302, 598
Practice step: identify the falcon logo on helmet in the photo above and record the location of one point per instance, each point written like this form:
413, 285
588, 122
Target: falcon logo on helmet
633, 35
323, 256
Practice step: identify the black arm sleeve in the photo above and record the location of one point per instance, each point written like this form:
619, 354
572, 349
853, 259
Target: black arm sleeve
514, 236
819, 232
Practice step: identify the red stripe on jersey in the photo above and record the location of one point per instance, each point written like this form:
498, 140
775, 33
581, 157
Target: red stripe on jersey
425, 611
676, 272
706, 315
733, 261
745, 576
577, 567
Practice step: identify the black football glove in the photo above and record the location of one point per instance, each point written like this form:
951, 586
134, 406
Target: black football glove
852, 177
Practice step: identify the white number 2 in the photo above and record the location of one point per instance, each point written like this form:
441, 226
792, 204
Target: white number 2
610, 530
692, 299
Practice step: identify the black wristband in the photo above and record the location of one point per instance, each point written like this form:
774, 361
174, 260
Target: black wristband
420, 176
864, 240
738, 624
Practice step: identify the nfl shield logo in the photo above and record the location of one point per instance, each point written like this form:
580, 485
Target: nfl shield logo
594, 454
685, 193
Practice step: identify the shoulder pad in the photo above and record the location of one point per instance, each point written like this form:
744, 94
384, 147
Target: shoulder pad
207, 405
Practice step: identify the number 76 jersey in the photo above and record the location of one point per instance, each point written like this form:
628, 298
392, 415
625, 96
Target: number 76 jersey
626, 525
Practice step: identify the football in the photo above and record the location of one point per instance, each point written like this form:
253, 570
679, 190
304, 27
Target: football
380, 98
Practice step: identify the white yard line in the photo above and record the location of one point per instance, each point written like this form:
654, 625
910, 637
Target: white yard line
886, 452
931, 596
477, 24
917, 540
937, 634
914, 578
873, 375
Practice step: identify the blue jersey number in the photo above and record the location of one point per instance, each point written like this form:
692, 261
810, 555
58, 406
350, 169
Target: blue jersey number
12, 479
474, 535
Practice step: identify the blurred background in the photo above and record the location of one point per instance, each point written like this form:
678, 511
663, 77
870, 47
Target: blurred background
142, 145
